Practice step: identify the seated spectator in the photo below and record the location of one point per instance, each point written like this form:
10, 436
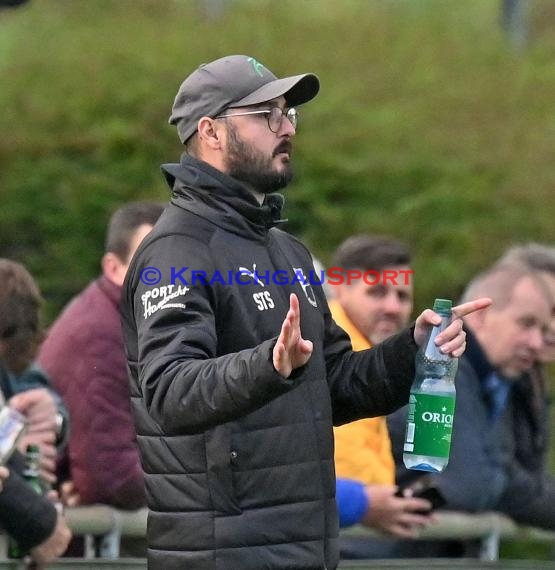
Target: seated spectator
530, 406
371, 310
540, 258
83, 354
484, 472
30, 519
25, 387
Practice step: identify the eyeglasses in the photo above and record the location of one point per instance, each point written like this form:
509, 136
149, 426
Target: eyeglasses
274, 116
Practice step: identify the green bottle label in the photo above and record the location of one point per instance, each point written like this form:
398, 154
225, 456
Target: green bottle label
429, 425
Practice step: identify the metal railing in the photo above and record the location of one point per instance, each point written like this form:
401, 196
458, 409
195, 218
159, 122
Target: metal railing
488, 528
104, 528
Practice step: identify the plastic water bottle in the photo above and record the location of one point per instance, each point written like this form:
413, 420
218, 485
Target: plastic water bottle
431, 403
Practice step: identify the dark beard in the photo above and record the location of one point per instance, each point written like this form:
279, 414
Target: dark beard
248, 165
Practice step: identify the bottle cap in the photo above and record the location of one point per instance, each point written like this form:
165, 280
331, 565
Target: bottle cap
443, 306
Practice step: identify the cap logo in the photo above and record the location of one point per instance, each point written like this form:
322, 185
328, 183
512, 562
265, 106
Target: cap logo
257, 66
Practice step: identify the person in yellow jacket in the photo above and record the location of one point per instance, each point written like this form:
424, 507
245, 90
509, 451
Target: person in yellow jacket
372, 299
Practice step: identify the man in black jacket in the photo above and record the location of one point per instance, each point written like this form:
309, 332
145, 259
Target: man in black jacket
233, 399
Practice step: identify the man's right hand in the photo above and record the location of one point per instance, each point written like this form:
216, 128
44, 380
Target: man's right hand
394, 515
291, 350
54, 546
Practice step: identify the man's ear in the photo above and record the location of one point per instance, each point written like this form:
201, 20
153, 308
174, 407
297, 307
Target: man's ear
113, 268
210, 133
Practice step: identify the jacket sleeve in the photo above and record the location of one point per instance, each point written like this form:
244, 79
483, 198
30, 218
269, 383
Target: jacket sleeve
529, 498
367, 383
352, 501
112, 472
186, 387
27, 517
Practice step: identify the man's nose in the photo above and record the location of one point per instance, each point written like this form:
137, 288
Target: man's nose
286, 128
537, 339
392, 303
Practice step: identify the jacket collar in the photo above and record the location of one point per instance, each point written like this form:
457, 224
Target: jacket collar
199, 187
110, 289
477, 357
475, 354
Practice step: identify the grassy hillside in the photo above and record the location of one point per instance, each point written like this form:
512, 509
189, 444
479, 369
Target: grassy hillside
427, 127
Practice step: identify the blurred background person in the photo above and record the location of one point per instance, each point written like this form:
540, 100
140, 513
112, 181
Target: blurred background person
484, 473
530, 400
541, 258
30, 519
83, 354
24, 386
370, 310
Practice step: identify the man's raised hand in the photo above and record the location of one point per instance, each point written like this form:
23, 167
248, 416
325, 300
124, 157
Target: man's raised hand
291, 350
453, 339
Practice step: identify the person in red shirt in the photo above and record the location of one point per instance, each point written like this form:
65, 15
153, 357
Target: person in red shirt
83, 354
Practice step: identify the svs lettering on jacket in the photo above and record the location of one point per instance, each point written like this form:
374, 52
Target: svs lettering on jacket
263, 300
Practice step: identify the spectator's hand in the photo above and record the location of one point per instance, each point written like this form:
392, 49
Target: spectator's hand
453, 339
54, 546
394, 515
39, 408
69, 495
291, 350
3, 476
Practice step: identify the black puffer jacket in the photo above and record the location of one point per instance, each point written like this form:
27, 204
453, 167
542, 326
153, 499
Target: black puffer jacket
239, 461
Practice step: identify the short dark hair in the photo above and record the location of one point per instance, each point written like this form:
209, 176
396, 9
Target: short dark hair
20, 304
124, 223
371, 252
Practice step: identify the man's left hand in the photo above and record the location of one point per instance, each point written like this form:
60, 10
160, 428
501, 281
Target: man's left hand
452, 340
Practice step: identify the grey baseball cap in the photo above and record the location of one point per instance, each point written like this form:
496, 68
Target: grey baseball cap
234, 81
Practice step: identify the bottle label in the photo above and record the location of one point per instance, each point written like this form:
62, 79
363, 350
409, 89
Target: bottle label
429, 425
